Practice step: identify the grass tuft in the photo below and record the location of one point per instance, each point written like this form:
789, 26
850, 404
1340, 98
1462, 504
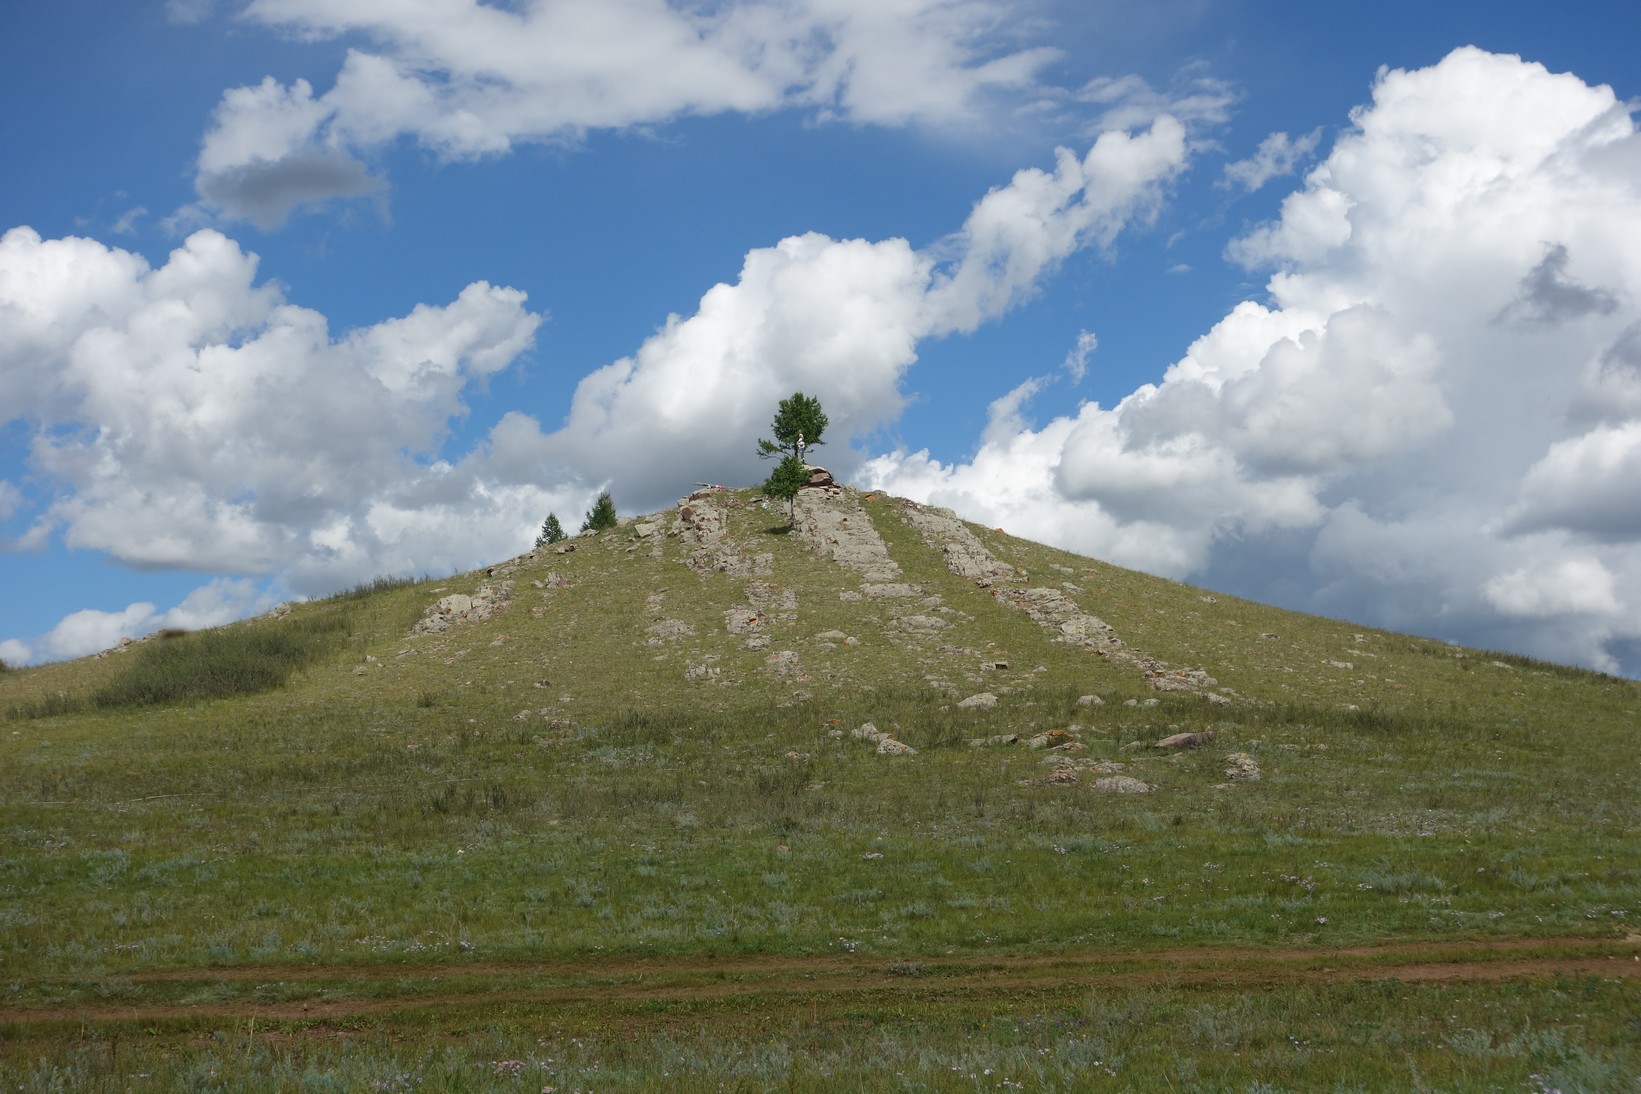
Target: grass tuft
381, 583
219, 664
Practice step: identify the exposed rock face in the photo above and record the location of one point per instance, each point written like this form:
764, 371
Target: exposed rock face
702, 525
893, 590
965, 555
459, 608
835, 525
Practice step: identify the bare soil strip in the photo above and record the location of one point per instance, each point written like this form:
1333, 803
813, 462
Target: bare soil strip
336, 992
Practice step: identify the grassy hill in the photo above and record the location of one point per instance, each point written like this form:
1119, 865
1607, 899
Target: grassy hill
620, 814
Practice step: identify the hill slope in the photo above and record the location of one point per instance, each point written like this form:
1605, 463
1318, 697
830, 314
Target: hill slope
882, 735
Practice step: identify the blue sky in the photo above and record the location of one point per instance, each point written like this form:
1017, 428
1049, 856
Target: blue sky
1329, 306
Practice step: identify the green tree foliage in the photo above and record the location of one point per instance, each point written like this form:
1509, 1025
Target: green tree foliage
551, 530
799, 416
601, 516
784, 483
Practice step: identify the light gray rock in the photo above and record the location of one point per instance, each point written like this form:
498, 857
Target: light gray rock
889, 590
1122, 784
982, 701
668, 630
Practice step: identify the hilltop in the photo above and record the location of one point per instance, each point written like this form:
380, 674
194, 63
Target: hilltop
884, 759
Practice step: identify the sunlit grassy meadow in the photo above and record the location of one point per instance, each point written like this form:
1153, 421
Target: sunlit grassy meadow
571, 786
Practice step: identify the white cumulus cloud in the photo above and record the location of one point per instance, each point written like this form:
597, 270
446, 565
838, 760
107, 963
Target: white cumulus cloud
841, 320
191, 417
1277, 155
188, 416
467, 79
1433, 422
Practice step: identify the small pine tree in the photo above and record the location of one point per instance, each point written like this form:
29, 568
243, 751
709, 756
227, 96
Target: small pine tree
799, 416
551, 531
601, 516
788, 478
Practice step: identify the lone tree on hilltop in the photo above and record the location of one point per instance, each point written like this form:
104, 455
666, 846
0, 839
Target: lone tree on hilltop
551, 531
798, 425
789, 476
601, 516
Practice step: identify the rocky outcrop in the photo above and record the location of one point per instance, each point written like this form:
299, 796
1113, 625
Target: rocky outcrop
668, 630
1180, 741
1122, 784
458, 608
964, 555
1166, 679
835, 525
702, 525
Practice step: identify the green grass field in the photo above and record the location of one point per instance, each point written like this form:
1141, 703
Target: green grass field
597, 842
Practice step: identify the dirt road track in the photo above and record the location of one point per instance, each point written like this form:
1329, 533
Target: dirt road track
338, 992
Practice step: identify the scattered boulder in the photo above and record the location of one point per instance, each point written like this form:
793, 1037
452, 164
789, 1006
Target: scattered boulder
888, 746
1090, 701
457, 608
889, 590
1062, 776
1180, 679
866, 731
784, 663
1240, 765
741, 620
1053, 738
668, 630
995, 739
981, 701
1122, 784
704, 669
1179, 741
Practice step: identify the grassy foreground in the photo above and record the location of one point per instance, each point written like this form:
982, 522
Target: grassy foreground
597, 842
